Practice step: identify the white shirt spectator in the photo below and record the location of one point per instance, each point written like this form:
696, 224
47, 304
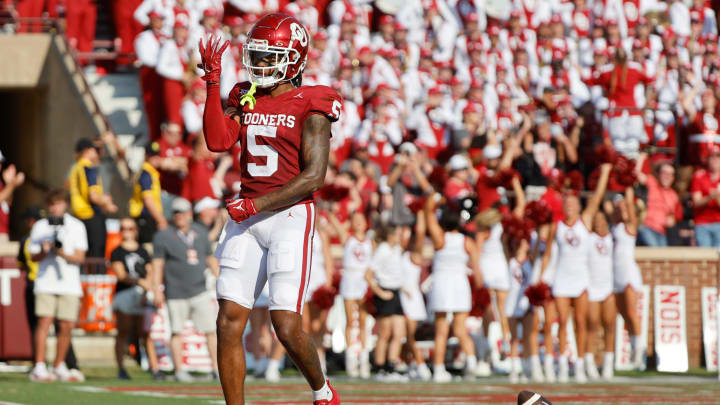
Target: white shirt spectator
387, 266
147, 47
680, 18
192, 114
55, 275
306, 13
172, 60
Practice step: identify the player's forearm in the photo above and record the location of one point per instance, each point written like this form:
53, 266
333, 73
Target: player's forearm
220, 131
293, 191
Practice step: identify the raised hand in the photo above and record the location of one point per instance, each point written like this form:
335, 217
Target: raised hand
211, 59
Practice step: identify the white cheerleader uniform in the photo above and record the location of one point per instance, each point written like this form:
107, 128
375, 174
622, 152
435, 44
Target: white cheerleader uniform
412, 298
517, 304
600, 259
493, 264
356, 261
317, 270
572, 275
450, 285
625, 270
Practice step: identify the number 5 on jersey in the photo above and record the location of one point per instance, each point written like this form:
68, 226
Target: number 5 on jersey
267, 151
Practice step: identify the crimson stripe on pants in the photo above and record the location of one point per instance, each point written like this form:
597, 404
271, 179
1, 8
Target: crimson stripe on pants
308, 224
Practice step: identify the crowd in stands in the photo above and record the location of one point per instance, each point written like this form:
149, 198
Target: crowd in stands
489, 108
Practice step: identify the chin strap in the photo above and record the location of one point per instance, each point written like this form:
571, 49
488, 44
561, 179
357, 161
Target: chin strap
249, 97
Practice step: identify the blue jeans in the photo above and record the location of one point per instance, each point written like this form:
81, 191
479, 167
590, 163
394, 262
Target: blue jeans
651, 237
708, 235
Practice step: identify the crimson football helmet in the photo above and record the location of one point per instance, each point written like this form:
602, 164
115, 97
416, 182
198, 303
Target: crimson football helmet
276, 49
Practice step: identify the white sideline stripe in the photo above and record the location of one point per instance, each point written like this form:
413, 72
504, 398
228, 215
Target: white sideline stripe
9, 403
86, 388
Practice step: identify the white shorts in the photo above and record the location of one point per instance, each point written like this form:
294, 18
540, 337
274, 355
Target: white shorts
353, 285
496, 275
413, 304
450, 292
627, 132
627, 276
270, 247
129, 301
263, 301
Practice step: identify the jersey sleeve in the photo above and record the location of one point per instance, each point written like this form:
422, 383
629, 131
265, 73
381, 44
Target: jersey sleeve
325, 101
145, 181
236, 94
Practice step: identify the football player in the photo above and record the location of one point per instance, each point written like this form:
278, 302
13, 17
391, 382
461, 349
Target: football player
283, 131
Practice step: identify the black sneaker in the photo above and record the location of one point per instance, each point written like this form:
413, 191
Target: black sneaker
158, 375
123, 375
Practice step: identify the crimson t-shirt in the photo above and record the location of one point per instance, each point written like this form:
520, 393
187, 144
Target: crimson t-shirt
703, 183
196, 185
172, 182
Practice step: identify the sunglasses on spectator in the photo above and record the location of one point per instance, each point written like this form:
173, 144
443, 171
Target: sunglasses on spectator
128, 228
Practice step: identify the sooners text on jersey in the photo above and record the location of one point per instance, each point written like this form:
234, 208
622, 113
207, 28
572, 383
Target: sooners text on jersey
270, 134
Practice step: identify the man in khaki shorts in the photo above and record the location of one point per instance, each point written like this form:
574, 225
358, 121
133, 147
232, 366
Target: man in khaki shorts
181, 253
58, 243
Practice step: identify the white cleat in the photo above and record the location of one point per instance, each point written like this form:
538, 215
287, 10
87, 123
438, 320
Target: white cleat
563, 371
608, 373
549, 370
272, 374
442, 376
482, 369
424, 372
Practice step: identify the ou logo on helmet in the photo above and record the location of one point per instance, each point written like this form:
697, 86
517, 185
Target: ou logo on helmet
298, 33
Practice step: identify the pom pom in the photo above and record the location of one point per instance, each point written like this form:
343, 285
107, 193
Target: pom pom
574, 181
369, 303
518, 229
417, 204
605, 154
480, 300
336, 278
504, 178
593, 179
334, 193
538, 294
438, 177
623, 173
555, 179
324, 297
539, 212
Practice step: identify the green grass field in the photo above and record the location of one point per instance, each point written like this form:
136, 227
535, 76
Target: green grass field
101, 388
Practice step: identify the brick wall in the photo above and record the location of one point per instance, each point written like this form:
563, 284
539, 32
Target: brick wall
693, 268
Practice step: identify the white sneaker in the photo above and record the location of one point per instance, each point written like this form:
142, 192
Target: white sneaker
76, 375
563, 370
40, 373
183, 376
459, 361
424, 372
272, 374
401, 367
441, 376
638, 359
260, 367
608, 372
352, 366
365, 365
62, 373
549, 369
591, 368
580, 376
515, 370
514, 377
536, 373
483, 369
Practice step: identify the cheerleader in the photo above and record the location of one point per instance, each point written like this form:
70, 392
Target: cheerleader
627, 280
411, 297
385, 278
545, 270
517, 310
601, 309
321, 274
450, 286
357, 253
572, 275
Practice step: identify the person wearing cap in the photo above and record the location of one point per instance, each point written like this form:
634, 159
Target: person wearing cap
193, 107
433, 121
208, 214
406, 179
458, 185
147, 48
181, 253
383, 38
58, 244
11, 180
146, 203
87, 199
173, 67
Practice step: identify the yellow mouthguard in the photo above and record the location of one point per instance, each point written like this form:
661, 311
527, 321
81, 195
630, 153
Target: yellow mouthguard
249, 97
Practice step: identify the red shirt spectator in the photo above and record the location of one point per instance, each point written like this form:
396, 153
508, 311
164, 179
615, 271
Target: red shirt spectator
662, 203
457, 186
175, 156
705, 187
196, 184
